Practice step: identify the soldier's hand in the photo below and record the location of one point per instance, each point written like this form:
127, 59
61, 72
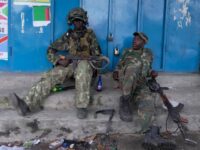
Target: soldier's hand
63, 62
116, 75
154, 74
62, 57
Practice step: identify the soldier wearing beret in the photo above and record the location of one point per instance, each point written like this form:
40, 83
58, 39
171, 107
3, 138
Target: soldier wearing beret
132, 71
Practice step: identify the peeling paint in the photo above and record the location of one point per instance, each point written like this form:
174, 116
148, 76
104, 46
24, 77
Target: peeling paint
41, 30
22, 22
182, 15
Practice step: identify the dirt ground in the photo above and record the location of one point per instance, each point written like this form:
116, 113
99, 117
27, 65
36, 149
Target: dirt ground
129, 142
133, 142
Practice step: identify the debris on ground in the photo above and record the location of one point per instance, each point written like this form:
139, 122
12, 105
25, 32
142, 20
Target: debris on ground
103, 141
11, 148
33, 125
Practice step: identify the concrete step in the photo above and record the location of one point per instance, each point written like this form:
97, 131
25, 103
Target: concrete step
20, 82
189, 96
59, 113
179, 80
63, 123
17, 82
183, 88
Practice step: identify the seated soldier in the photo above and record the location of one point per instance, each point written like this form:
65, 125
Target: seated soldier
132, 72
79, 41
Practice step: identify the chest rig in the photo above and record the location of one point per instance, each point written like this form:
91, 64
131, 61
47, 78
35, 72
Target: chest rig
79, 43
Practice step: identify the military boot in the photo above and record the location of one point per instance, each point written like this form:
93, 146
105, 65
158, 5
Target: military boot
153, 140
82, 113
125, 111
19, 104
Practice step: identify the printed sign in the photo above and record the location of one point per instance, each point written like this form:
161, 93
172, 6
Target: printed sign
41, 16
32, 2
3, 30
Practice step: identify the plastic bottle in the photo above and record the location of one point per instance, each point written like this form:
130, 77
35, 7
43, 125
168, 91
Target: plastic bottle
57, 88
56, 144
99, 84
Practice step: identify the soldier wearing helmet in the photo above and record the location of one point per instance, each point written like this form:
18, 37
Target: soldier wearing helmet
78, 41
77, 13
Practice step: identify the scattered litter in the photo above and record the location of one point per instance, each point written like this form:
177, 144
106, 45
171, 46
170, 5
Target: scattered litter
56, 144
69, 144
11, 148
29, 144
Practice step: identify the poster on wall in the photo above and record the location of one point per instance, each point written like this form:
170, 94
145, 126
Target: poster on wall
3, 29
32, 2
41, 16
40, 9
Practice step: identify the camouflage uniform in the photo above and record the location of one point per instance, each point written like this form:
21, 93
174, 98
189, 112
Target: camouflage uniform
78, 43
134, 66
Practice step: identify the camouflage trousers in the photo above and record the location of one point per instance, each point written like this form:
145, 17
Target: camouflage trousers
83, 75
133, 84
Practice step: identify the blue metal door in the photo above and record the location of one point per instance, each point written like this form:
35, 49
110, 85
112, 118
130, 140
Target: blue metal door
113, 22
151, 20
123, 25
28, 44
60, 11
183, 36
172, 27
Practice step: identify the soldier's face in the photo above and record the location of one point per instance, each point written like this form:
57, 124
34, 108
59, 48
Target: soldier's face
78, 24
137, 43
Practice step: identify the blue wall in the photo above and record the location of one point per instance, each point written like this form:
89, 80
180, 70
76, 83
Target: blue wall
172, 26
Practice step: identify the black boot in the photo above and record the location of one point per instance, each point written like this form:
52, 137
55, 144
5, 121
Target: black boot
19, 104
153, 140
125, 111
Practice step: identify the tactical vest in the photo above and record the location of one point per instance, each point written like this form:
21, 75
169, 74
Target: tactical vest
80, 42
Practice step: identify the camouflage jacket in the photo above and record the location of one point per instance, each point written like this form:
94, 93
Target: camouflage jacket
130, 57
77, 43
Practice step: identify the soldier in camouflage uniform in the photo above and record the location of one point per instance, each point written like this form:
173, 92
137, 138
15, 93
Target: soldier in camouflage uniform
132, 71
79, 41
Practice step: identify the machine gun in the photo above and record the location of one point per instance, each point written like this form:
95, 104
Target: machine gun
173, 112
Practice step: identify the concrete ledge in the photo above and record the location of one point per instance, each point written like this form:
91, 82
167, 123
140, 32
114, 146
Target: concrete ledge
64, 123
59, 115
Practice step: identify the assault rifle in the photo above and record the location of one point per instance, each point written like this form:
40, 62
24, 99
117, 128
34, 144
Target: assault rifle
92, 60
173, 112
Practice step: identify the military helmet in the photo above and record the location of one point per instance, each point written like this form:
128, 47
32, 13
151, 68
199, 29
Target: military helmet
77, 13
